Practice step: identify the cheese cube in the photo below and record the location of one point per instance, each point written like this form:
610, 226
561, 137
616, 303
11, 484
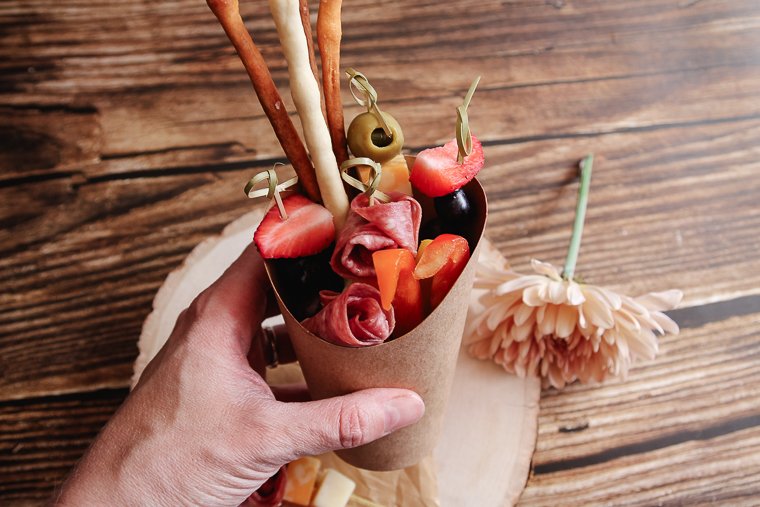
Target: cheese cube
302, 474
334, 491
395, 176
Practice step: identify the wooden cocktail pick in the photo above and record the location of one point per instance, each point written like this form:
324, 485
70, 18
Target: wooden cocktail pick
369, 188
272, 190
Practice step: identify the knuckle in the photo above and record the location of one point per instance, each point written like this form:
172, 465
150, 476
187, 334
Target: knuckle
201, 304
207, 318
354, 425
214, 310
188, 322
194, 312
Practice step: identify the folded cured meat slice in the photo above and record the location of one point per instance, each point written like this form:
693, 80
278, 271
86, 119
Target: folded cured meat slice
353, 318
394, 224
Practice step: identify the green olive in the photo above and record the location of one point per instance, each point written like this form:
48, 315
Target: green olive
366, 137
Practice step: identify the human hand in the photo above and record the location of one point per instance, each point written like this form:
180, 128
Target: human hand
203, 427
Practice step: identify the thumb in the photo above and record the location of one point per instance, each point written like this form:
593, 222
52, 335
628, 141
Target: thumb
349, 421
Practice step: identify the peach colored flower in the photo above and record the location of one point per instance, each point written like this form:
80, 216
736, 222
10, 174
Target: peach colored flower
561, 330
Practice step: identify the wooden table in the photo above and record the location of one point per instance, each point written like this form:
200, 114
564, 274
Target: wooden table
128, 129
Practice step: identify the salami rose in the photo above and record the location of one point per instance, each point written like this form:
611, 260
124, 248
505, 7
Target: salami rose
353, 318
395, 224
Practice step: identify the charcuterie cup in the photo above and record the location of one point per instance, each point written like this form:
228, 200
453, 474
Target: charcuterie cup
422, 360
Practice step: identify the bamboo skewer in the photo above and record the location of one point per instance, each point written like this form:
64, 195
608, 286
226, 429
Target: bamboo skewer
305, 91
329, 34
228, 14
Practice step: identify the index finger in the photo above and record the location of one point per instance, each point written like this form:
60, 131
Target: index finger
236, 303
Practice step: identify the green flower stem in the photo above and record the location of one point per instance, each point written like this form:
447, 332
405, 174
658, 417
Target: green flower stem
580, 218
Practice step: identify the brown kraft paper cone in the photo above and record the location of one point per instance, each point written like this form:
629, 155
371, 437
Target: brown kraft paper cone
422, 360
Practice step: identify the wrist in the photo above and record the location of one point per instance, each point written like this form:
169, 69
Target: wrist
119, 469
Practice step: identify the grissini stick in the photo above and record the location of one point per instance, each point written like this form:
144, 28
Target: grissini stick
328, 38
303, 8
305, 92
228, 14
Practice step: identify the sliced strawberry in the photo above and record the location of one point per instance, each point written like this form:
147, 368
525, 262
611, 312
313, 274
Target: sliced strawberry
309, 229
436, 171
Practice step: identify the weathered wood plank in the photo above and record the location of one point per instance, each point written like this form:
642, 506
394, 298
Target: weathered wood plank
721, 470
683, 429
174, 92
674, 433
704, 378
654, 214
41, 439
80, 277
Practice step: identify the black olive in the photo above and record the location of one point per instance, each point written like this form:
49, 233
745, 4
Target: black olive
301, 279
454, 211
431, 229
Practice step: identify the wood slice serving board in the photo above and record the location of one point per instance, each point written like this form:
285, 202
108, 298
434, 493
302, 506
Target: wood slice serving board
489, 434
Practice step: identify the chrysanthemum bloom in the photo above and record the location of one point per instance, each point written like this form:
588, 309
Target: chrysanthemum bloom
561, 330
546, 324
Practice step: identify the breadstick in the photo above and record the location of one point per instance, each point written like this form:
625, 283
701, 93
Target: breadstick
305, 92
328, 38
228, 14
303, 8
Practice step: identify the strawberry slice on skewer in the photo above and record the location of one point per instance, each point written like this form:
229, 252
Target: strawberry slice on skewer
309, 229
437, 172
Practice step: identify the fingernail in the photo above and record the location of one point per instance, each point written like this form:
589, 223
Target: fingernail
403, 411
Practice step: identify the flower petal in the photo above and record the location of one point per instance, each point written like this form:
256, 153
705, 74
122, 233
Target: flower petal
612, 299
498, 339
661, 301
498, 313
531, 296
544, 268
540, 311
625, 319
623, 350
634, 307
557, 292
598, 313
517, 284
487, 277
643, 345
520, 333
524, 350
582, 324
574, 294
523, 314
479, 350
546, 325
567, 317
668, 325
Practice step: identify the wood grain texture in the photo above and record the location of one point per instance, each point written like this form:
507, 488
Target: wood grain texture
42, 438
176, 84
128, 128
683, 429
